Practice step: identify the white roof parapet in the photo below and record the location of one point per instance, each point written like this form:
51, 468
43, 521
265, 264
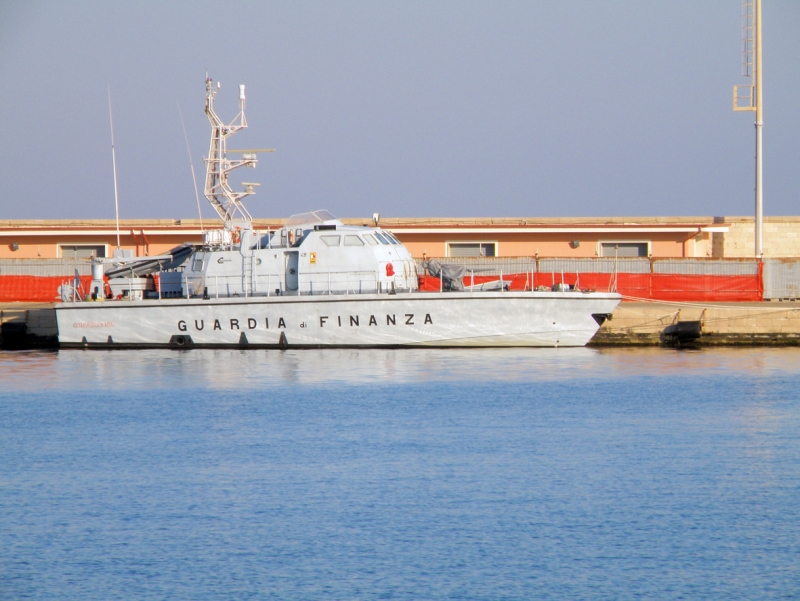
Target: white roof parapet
125, 232
410, 230
551, 230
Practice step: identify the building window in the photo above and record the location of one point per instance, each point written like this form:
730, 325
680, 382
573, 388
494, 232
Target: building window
472, 249
625, 249
81, 251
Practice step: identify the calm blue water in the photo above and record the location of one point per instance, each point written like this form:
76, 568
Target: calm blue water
475, 474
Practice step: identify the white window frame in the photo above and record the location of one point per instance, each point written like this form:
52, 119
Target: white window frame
358, 245
447, 244
324, 239
600, 243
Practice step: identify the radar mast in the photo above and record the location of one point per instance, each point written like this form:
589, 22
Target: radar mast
226, 202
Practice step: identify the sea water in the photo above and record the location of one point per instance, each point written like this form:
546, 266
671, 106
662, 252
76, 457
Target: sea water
400, 474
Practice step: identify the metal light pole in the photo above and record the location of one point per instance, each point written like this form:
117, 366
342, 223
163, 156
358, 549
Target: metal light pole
751, 99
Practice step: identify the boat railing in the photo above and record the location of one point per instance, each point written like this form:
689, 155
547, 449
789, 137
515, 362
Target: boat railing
271, 284
224, 286
340, 282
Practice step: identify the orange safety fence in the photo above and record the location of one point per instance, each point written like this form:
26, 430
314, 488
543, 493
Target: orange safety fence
732, 288
668, 287
36, 289
651, 286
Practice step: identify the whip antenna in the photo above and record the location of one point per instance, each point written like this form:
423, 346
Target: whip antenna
191, 165
114, 162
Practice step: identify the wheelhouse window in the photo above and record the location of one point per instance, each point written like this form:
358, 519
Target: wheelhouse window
380, 237
331, 240
370, 239
351, 240
472, 249
82, 251
625, 249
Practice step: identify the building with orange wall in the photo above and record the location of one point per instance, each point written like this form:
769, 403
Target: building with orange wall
657, 237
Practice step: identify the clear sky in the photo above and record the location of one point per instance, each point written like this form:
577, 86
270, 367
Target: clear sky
410, 109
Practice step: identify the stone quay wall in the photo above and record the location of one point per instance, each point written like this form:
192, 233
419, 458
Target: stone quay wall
721, 324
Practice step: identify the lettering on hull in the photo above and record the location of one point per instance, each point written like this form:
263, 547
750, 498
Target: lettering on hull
324, 321
93, 324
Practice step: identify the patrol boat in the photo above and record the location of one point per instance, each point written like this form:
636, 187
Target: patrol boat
313, 283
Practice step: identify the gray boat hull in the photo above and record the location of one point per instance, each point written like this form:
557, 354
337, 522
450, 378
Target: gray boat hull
478, 319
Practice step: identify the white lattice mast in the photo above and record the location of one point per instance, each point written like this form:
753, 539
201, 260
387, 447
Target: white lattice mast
227, 203
750, 98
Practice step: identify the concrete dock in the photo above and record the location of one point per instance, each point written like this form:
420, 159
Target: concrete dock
718, 324
33, 325
28, 325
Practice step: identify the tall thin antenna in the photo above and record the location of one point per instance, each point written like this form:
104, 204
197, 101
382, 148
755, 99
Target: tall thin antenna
114, 161
750, 98
191, 165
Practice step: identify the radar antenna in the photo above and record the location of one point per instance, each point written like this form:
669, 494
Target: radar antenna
227, 203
